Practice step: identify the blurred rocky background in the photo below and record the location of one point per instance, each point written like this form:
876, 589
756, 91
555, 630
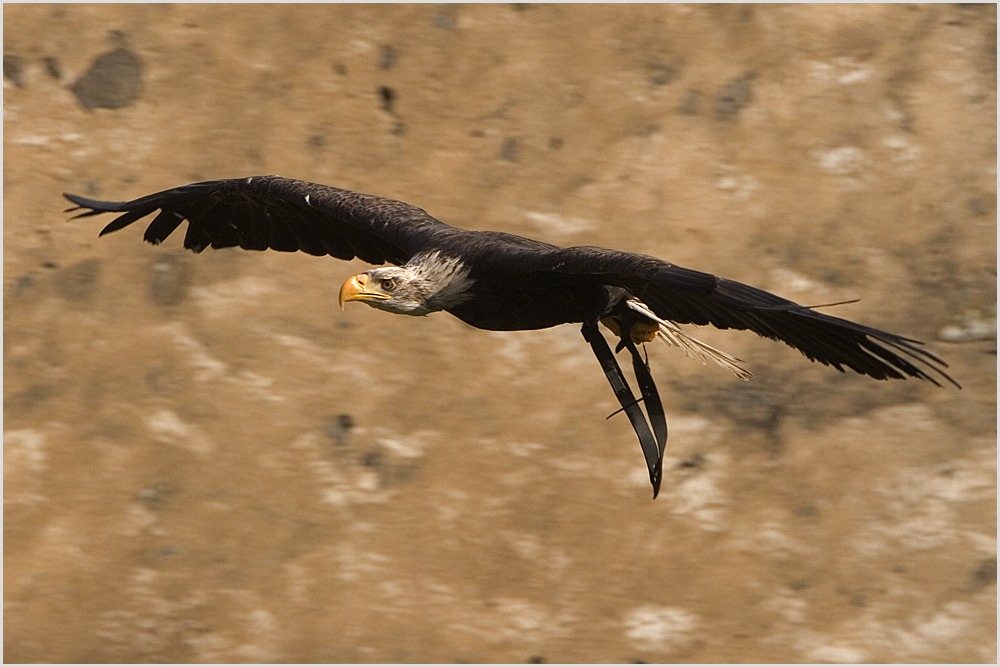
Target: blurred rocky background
205, 460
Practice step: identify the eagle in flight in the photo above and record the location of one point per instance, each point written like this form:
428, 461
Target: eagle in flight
502, 282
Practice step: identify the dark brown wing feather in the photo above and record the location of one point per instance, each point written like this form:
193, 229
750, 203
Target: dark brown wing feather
693, 297
284, 214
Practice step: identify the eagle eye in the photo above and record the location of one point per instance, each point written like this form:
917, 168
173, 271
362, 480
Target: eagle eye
388, 284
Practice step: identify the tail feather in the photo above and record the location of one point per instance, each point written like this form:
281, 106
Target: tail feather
674, 336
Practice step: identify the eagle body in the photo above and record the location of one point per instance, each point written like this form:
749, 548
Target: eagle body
513, 301
503, 282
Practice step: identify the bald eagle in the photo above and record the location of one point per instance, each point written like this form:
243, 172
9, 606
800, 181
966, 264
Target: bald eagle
502, 282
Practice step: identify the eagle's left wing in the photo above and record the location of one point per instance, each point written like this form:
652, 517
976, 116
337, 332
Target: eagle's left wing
686, 296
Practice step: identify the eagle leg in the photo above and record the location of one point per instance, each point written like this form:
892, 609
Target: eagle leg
652, 448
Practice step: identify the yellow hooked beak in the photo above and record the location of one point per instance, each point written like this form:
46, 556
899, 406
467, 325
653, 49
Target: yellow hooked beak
356, 289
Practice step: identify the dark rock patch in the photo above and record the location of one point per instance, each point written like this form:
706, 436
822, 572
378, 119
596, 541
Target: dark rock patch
113, 81
510, 149
13, 70
734, 97
78, 282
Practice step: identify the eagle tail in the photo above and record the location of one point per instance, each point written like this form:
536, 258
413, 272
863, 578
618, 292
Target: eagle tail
672, 335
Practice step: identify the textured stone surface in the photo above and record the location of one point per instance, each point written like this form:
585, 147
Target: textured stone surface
205, 460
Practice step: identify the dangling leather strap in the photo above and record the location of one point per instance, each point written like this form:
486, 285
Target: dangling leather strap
652, 447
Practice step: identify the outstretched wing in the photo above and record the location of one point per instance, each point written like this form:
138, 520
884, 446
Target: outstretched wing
264, 212
693, 297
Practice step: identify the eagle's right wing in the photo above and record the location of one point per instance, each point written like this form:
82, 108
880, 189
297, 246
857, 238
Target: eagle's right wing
285, 214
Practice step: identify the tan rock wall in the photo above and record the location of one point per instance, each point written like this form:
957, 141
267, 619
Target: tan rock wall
205, 460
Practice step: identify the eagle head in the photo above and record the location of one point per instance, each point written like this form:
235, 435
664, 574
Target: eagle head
426, 284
